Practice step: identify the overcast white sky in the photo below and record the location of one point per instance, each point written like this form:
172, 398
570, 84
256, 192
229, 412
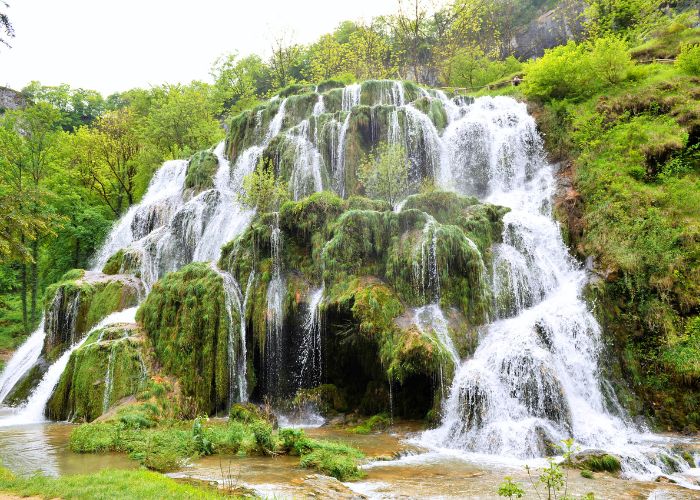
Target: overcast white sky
117, 45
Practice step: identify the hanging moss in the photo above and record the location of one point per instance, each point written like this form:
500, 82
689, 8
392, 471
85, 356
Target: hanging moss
108, 367
298, 108
81, 302
249, 127
124, 261
434, 109
201, 170
185, 319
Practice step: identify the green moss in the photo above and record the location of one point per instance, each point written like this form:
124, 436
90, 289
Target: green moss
114, 263
374, 423
83, 301
98, 374
605, 463
185, 320
201, 170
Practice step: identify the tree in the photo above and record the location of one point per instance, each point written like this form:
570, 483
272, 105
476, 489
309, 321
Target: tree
370, 53
181, 120
77, 107
328, 58
6, 25
410, 33
262, 190
284, 57
30, 145
239, 83
107, 157
384, 173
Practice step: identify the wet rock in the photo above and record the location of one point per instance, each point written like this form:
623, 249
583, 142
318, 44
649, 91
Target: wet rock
317, 485
597, 461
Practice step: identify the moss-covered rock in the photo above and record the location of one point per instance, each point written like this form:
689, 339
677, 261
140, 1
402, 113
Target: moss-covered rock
200, 171
374, 264
79, 301
124, 261
186, 321
109, 366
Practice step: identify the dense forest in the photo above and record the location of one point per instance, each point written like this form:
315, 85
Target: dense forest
612, 84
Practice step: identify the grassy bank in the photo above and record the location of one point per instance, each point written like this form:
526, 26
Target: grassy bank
166, 445
108, 484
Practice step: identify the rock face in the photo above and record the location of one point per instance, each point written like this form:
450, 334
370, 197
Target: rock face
11, 99
73, 306
108, 367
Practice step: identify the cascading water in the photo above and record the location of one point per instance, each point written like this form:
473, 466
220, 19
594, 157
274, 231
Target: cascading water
534, 378
310, 355
306, 175
21, 361
165, 231
237, 354
275, 313
33, 410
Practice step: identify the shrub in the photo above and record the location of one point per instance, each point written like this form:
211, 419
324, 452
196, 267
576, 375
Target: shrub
92, 438
689, 59
610, 60
263, 437
559, 73
328, 461
510, 489
294, 441
587, 474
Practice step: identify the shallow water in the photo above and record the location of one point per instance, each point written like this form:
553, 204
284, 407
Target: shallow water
403, 470
44, 448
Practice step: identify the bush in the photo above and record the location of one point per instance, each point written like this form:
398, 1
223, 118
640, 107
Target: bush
689, 59
610, 60
92, 438
573, 71
328, 461
263, 437
587, 474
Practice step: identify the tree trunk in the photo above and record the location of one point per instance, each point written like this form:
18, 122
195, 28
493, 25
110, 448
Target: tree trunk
76, 256
35, 276
25, 318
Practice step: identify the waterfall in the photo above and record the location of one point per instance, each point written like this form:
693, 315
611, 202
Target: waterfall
109, 376
426, 278
237, 361
306, 173
310, 356
22, 360
161, 233
534, 378
275, 312
431, 317
33, 410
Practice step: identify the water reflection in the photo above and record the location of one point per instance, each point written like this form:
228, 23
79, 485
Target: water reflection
45, 449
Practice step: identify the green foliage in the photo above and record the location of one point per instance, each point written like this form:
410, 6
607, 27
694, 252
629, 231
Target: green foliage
605, 463
689, 59
578, 70
334, 459
374, 423
107, 484
185, 320
470, 68
201, 170
262, 189
510, 489
585, 473
202, 445
384, 173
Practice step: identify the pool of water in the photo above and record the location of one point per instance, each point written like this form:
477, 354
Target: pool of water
403, 469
